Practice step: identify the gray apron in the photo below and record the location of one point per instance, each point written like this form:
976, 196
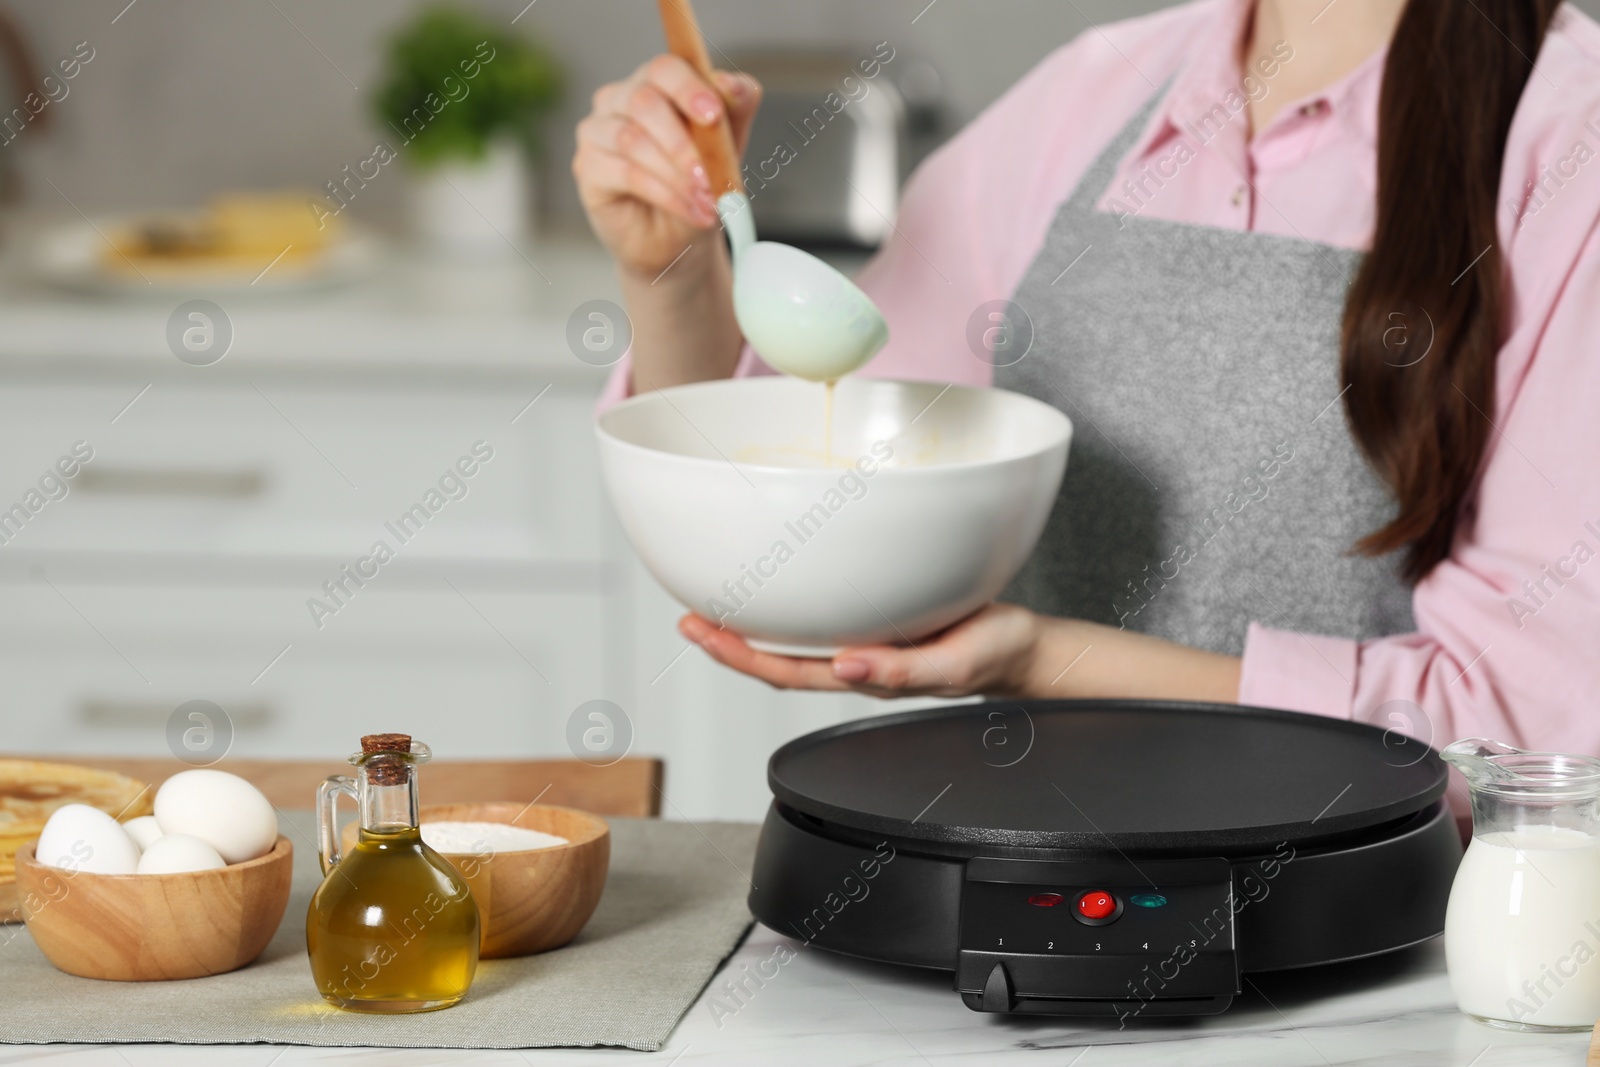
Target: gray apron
1212, 479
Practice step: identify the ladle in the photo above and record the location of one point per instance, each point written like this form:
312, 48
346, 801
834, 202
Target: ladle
801, 316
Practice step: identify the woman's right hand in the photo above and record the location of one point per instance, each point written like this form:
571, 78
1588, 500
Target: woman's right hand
639, 174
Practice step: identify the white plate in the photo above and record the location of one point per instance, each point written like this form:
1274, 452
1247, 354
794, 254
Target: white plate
72, 256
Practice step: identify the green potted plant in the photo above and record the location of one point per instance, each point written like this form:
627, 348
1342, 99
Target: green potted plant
461, 99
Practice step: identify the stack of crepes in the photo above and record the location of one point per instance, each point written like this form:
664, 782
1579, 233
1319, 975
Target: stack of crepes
30, 791
239, 233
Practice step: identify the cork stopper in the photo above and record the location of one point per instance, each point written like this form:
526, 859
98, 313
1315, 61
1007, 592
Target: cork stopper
385, 743
386, 771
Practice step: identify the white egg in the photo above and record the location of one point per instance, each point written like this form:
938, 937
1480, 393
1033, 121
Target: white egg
144, 830
221, 809
80, 838
173, 853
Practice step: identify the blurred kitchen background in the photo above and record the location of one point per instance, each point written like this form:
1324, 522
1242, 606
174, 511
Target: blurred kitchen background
235, 472
186, 97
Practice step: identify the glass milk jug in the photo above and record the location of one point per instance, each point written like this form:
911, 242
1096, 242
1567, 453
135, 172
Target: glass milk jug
393, 927
1522, 932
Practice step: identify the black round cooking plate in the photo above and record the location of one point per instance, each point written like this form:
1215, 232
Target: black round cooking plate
1106, 774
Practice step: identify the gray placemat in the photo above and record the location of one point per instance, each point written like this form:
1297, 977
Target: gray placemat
673, 909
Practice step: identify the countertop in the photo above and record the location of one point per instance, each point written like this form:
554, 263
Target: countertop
825, 1010
500, 313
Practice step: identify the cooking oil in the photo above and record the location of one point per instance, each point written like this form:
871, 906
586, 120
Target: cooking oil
393, 927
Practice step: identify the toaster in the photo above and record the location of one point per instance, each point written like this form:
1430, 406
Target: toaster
828, 149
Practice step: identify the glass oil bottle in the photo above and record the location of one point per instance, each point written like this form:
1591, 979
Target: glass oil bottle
393, 927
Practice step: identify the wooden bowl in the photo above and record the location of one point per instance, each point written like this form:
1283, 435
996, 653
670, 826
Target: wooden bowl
10, 909
150, 927
537, 900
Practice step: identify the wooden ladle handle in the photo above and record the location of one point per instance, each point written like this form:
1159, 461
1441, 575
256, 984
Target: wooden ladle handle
715, 143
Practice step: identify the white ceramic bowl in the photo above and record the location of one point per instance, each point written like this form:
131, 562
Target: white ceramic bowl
937, 498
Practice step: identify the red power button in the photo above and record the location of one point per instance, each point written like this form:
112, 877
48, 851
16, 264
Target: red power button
1097, 906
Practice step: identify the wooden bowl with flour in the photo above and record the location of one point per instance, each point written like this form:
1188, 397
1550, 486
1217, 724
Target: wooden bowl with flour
533, 900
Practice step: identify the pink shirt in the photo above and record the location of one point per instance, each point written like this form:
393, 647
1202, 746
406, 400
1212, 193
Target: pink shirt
1508, 628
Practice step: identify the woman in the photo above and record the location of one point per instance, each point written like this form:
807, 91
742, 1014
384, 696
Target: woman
1316, 284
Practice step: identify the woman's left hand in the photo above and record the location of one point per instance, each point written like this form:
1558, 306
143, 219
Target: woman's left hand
1002, 651
991, 652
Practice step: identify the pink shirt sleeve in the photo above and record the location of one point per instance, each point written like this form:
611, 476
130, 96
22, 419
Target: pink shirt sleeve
1508, 627
619, 386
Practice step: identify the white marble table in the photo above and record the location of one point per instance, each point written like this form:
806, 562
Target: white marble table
822, 1010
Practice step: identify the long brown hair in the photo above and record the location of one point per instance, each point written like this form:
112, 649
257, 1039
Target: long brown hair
1432, 282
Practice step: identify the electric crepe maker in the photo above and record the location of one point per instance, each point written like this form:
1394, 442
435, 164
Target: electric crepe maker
1105, 858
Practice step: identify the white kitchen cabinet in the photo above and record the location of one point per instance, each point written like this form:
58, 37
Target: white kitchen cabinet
300, 470
476, 671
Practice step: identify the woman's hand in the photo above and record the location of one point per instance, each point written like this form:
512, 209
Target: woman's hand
1002, 651
639, 174
990, 652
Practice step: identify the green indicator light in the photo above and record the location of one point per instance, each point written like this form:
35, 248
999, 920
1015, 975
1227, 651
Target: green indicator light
1147, 900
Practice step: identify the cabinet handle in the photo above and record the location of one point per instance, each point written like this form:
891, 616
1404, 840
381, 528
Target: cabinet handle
156, 481
144, 713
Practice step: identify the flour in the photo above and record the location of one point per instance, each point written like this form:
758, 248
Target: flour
476, 838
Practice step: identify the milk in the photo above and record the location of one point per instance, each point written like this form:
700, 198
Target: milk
1522, 932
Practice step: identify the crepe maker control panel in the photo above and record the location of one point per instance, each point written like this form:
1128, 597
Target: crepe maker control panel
1117, 936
